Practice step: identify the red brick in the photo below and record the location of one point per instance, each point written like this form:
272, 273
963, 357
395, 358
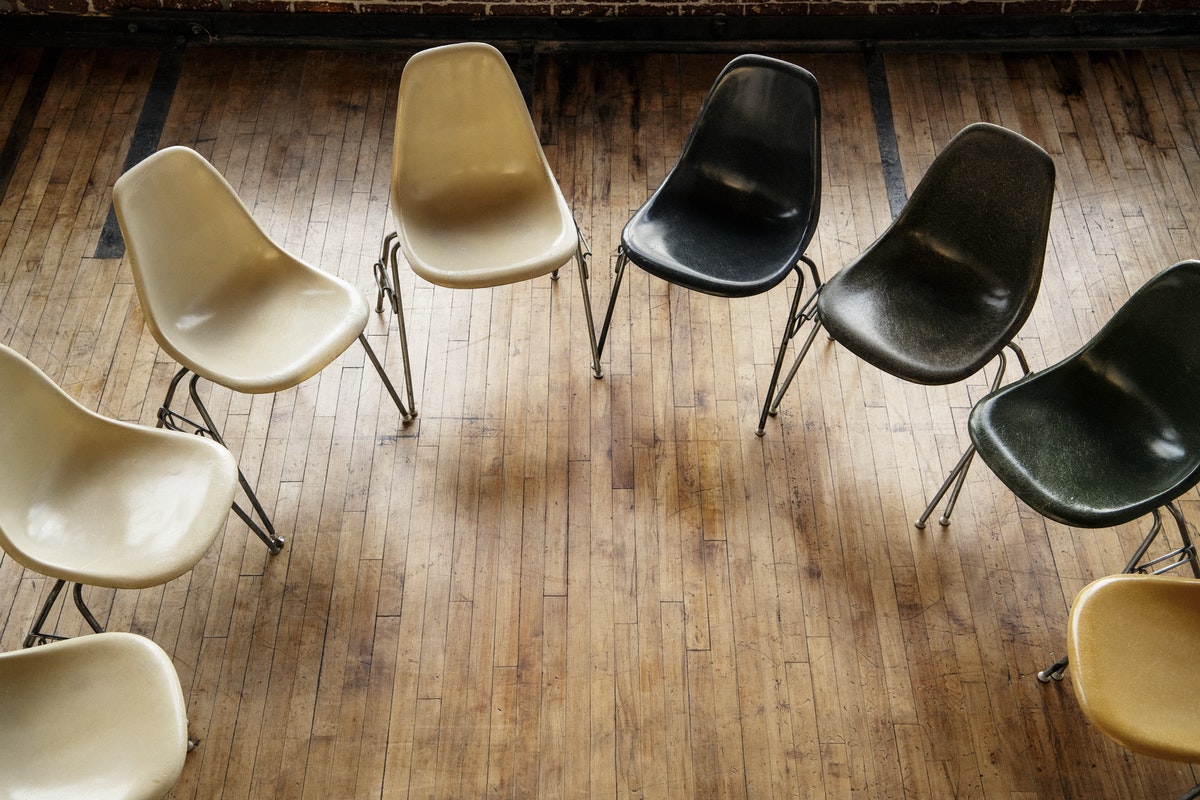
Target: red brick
519, 9
261, 5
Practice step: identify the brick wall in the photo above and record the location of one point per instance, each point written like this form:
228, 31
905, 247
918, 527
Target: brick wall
631, 10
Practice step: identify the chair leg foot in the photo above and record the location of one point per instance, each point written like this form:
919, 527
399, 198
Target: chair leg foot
1054, 672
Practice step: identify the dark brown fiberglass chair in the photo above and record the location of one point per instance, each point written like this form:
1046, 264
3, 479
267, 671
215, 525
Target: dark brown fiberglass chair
737, 211
1111, 433
948, 285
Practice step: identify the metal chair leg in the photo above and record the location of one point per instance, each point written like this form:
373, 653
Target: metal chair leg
622, 261
172, 420
387, 382
582, 252
1191, 794
1054, 671
958, 475
37, 636
789, 330
808, 312
388, 263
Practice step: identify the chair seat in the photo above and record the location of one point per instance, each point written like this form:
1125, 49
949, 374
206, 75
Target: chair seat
914, 311
490, 237
1081, 450
1133, 644
269, 334
92, 500
706, 248
1111, 432
100, 717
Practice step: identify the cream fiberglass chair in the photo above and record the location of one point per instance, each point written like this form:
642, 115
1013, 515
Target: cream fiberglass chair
224, 300
99, 717
1134, 642
475, 202
90, 500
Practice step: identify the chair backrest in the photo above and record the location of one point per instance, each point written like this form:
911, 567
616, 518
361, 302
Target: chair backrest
464, 136
755, 148
38, 423
190, 239
986, 201
1150, 349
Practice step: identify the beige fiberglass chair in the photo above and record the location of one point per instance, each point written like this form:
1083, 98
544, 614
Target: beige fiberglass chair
99, 717
1134, 642
224, 300
475, 202
91, 500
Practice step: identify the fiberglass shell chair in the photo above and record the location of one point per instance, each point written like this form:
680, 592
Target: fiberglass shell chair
736, 213
224, 300
91, 500
947, 286
1111, 433
100, 717
475, 202
1134, 642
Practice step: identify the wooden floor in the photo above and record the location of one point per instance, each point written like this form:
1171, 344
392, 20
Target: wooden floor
549, 585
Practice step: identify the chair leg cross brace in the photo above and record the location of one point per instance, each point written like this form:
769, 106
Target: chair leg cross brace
262, 527
37, 636
1184, 554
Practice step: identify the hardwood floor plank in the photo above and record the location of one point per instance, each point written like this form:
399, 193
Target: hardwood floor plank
552, 585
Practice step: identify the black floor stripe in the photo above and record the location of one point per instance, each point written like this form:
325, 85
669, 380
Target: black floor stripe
885, 131
35, 93
145, 138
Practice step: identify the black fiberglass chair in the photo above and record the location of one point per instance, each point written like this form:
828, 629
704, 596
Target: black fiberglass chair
947, 286
1111, 433
737, 211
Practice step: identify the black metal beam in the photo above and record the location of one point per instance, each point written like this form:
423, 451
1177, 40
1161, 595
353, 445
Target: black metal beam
724, 33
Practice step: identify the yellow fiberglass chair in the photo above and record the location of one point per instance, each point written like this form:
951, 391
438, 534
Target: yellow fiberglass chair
91, 500
100, 717
474, 199
1134, 642
224, 300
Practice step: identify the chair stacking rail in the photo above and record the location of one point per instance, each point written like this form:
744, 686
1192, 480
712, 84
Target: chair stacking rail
225, 301
950, 282
736, 213
1111, 433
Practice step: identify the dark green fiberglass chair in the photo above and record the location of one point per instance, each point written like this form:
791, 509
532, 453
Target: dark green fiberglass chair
1111, 433
947, 286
